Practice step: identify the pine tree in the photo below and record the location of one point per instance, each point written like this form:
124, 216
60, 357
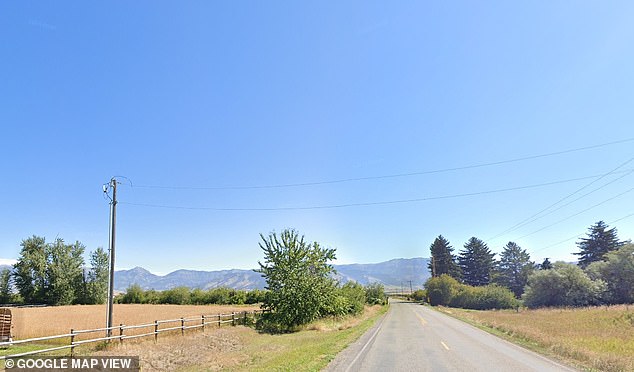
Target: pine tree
600, 241
442, 259
546, 265
476, 262
514, 268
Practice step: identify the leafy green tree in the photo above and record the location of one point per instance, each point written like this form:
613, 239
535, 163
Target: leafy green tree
375, 294
476, 262
442, 259
298, 277
599, 242
563, 285
65, 272
514, 268
133, 295
6, 295
97, 281
30, 271
618, 272
355, 296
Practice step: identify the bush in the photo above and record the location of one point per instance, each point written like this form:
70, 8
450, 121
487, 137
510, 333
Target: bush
355, 294
447, 291
419, 295
375, 294
441, 289
176, 296
563, 285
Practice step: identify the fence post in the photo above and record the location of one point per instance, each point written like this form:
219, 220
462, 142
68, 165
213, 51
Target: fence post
156, 324
121, 332
72, 343
244, 322
219, 317
233, 318
182, 326
203, 320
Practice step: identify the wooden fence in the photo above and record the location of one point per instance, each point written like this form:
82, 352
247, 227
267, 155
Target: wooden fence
121, 332
5, 325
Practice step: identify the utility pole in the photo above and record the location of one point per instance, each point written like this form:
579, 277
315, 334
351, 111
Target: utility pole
410, 287
113, 222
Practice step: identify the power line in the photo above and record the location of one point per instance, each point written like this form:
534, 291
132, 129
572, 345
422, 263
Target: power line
579, 235
334, 206
397, 175
537, 216
576, 214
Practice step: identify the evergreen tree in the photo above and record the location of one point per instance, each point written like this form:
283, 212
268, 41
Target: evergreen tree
442, 259
476, 262
600, 241
514, 268
546, 265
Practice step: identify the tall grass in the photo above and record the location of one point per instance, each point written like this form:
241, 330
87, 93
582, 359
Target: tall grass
599, 338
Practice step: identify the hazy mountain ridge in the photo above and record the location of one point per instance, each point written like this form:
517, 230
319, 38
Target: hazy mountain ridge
392, 274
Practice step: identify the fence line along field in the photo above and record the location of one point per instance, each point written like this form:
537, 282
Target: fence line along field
46, 321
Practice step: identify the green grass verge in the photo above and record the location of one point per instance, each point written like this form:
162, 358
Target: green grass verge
308, 350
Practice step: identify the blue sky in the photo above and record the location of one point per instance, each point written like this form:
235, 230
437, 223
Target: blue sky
203, 98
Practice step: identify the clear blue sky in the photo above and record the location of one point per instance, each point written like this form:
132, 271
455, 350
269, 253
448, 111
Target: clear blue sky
204, 94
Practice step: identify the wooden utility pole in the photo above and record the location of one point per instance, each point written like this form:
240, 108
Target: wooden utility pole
113, 222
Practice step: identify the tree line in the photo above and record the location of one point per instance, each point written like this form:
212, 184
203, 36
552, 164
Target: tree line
55, 274
473, 278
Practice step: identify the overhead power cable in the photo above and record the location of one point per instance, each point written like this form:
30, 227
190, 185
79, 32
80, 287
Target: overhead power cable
542, 213
576, 214
386, 176
346, 205
579, 235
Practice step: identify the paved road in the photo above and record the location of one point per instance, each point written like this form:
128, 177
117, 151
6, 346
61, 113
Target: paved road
412, 337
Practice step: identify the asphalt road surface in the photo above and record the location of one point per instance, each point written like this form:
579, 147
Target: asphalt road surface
412, 337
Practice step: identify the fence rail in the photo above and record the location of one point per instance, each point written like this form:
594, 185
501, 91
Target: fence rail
184, 324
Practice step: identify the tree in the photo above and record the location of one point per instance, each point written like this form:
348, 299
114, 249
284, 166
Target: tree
563, 285
65, 272
6, 295
618, 272
600, 241
298, 277
476, 262
442, 259
514, 268
30, 270
97, 281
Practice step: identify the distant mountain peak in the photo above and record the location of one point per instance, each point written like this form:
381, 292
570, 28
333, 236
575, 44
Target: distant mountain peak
392, 274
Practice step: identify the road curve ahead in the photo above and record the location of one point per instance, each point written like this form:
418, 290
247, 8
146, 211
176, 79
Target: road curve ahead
412, 337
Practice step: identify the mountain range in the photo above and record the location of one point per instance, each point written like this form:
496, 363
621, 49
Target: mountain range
394, 274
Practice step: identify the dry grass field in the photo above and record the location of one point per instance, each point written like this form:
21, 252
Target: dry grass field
46, 321
597, 338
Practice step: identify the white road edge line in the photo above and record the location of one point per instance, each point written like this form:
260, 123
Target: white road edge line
445, 345
366, 344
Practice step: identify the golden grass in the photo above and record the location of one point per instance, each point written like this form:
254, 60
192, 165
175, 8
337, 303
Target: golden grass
598, 338
46, 321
